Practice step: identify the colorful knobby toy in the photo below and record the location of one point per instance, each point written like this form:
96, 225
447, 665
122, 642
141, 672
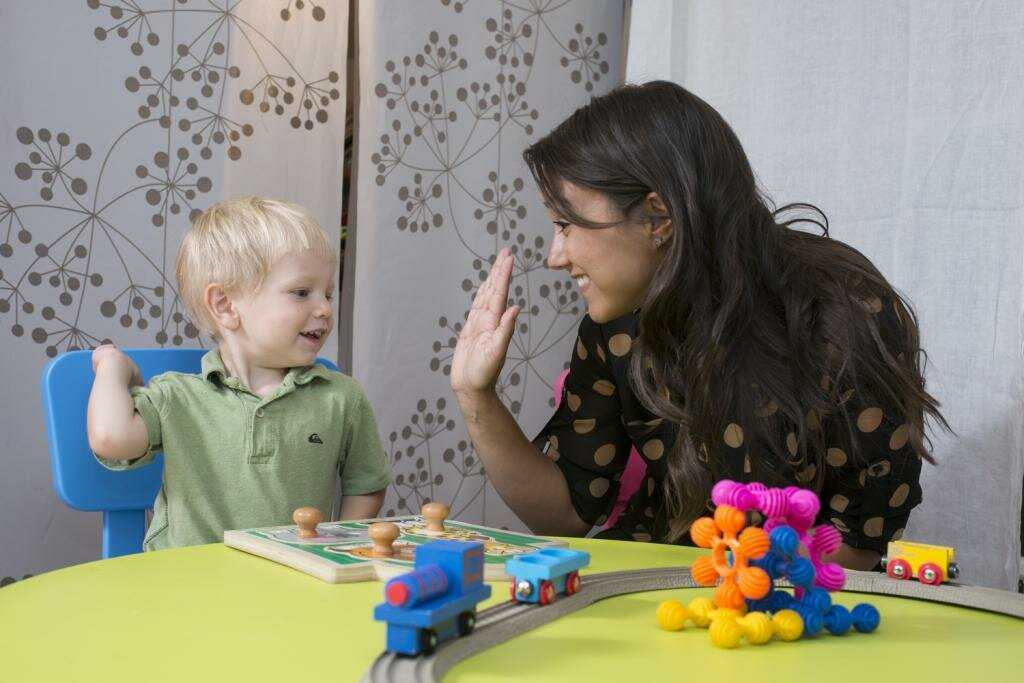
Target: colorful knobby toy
672, 615
746, 560
757, 627
813, 603
793, 507
729, 626
733, 547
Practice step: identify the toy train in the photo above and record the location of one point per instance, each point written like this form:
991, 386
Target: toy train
931, 564
435, 601
540, 576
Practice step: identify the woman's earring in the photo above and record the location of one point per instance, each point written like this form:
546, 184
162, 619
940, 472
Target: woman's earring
657, 242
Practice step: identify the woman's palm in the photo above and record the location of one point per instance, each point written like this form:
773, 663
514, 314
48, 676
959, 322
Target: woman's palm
480, 352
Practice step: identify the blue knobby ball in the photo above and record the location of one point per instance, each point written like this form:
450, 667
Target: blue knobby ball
817, 599
778, 600
800, 572
812, 620
838, 620
772, 563
865, 617
784, 540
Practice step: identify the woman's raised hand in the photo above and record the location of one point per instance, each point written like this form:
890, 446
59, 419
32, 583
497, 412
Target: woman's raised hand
483, 343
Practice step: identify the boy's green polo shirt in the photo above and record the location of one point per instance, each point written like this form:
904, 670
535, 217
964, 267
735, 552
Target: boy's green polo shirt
236, 460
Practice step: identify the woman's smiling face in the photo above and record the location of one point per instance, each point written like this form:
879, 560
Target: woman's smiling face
612, 266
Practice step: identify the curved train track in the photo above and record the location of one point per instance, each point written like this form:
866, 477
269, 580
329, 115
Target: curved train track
502, 622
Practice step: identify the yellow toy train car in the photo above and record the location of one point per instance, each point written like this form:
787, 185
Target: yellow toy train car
931, 564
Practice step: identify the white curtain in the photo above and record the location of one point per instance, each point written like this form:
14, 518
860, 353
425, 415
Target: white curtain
119, 120
904, 121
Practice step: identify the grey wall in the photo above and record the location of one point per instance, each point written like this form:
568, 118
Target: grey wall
118, 122
451, 93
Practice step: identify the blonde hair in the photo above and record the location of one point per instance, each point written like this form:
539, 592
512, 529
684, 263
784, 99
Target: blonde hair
236, 242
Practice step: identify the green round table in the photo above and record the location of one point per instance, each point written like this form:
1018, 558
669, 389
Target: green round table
212, 613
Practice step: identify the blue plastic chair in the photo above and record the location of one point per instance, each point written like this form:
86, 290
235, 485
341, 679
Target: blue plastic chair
80, 481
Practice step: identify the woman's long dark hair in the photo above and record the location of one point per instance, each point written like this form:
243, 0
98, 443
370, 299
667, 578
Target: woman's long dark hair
746, 317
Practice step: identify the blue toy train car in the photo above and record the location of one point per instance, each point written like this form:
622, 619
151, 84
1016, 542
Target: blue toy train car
435, 601
540, 576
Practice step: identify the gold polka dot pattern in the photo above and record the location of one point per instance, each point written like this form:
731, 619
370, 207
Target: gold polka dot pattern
573, 401
733, 435
899, 496
584, 426
835, 457
604, 455
869, 420
620, 344
654, 449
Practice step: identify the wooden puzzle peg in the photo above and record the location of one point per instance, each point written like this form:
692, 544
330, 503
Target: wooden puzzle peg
307, 518
434, 514
383, 535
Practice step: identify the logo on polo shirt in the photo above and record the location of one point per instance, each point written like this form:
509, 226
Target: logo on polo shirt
315, 438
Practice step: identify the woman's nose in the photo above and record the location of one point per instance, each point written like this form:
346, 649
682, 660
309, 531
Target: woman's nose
556, 254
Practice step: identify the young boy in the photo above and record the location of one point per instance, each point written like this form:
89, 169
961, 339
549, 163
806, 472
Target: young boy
261, 430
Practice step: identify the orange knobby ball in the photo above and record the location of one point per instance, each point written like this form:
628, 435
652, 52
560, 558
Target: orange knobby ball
754, 582
729, 520
703, 532
703, 571
728, 595
754, 542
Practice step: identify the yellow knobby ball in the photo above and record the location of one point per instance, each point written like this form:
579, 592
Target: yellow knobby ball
700, 610
672, 615
788, 624
757, 627
726, 613
725, 633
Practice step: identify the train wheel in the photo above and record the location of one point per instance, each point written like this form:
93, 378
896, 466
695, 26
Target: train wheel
428, 641
467, 620
898, 569
572, 583
929, 573
546, 593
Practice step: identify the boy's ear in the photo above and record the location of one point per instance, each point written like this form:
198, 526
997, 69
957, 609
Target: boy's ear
221, 307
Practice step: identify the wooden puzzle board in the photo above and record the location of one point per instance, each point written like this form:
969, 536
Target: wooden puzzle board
342, 550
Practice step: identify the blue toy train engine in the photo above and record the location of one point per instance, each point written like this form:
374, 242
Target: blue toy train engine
435, 601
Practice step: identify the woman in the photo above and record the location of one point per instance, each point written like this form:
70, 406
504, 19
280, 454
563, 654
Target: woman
720, 341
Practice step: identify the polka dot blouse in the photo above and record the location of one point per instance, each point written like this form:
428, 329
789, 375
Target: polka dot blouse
599, 421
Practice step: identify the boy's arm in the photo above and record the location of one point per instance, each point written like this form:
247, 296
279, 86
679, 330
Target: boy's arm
116, 431
363, 467
362, 506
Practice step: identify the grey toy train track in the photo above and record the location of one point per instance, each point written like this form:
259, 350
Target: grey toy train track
502, 622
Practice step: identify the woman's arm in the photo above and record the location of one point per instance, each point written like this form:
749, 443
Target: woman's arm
115, 430
528, 482
854, 558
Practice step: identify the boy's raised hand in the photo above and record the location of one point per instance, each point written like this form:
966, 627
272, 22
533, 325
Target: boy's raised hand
480, 352
109, 356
